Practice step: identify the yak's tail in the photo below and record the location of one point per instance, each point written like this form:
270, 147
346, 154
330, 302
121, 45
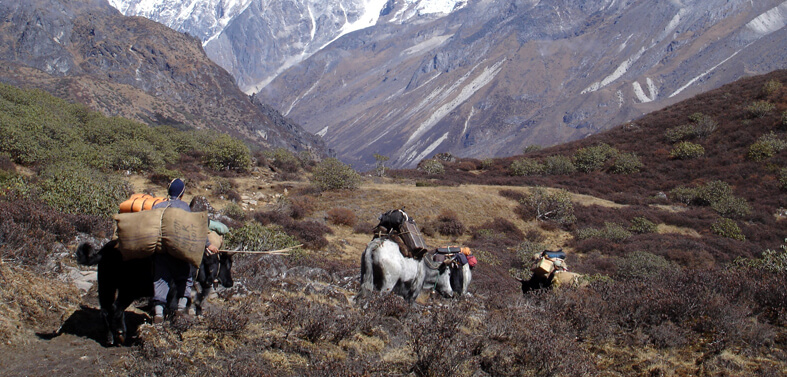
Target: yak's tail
87, 255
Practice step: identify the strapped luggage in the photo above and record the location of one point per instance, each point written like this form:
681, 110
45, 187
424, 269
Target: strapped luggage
555, 254
543, 268
471, 260
139, 202
412, 236
179, 233
449, 249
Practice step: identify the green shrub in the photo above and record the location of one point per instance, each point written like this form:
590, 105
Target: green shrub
234, 211
79, 190
687, 150
732, 207
783, 178
766, 147
380, 164
559, 165
626, 163
771, 87
760, 151
487, 163
641, 264
679, 133
228, 153
543, 205
727, 228
134, 155
332, 174
759, 109
253, 236
222, 186
641, 225
716, 194
784, 119
531, 148
703, 125
431, 167
771, 260
525, 166
593, 158
527, 249
611, 231
283, 160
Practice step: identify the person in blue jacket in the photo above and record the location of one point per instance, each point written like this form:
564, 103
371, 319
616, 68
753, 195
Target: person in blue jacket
169, 271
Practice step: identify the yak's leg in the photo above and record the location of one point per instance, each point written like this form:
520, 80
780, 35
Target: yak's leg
119, 319
367, 275
202, 290
106, 298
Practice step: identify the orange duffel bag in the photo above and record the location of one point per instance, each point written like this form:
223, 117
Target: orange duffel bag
140, 202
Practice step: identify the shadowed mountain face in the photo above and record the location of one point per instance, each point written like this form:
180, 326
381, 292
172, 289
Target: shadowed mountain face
495, 76
86, 51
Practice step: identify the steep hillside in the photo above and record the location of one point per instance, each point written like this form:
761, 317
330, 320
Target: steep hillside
89, 53
495, 76
741, 145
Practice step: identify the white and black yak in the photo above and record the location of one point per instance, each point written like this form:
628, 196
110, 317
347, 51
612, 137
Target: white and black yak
452, 274
385, 269
121, 282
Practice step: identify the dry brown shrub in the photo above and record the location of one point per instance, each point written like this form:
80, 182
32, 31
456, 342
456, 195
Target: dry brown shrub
448, 224
363, 227
342, 216
302, 206
310, 233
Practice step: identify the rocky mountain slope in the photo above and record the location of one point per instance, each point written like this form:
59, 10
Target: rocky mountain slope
133, 67
408, 79
494, 77
255, 40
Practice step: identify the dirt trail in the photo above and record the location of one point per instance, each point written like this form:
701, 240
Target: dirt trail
75, 351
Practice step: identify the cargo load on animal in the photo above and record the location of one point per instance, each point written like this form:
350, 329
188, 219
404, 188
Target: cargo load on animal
174, 231
397, 226
139, 203
550, 270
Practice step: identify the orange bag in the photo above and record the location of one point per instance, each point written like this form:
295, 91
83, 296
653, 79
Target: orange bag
139, 202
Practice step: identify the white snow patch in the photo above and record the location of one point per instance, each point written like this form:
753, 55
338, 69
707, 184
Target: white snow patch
432, 147
467, 121
322, 132
641, 96
295, 102
479, 82
770, 21
623, 45
673, 24
620, 71
692, 81
427, 45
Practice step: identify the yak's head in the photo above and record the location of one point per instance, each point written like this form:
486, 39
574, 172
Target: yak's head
218, 269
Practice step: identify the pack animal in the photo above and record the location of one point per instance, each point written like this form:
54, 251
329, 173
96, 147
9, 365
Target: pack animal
215, 270
450, 279
385, 269
121, 282
556, 280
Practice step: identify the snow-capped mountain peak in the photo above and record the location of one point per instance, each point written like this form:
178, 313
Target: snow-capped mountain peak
296, 28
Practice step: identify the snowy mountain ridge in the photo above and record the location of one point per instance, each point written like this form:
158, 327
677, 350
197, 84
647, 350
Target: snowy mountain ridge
306, 26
